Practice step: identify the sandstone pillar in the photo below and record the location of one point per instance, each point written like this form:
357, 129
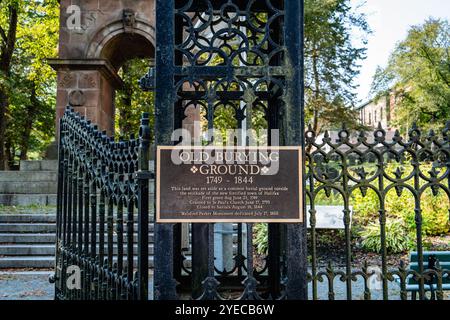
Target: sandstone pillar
88, 85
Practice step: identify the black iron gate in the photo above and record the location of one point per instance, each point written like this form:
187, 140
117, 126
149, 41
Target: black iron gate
102, 213
243, 56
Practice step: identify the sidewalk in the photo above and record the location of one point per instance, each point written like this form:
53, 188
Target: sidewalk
26, 285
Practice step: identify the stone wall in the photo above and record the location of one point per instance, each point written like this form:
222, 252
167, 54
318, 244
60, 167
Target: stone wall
96, 38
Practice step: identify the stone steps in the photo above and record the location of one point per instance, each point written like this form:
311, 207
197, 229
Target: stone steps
28, 187
47, 262
27, 228
48, 249
27, 240
28, 176
27, 218
34, 184
28, 199
39, 165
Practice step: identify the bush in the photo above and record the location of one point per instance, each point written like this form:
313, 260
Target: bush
435, 209
261, 237
365, 209
397, 238
335, 199
435, 213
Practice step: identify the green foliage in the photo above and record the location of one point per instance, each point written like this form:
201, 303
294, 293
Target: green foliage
131, 101
400, 214
335, 199
399, 211
31, 84
397, 239
261, 237
418, 73
366, 208
332, 61
434, 208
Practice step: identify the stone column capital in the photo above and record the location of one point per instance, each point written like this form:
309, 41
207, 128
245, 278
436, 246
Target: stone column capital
101, 65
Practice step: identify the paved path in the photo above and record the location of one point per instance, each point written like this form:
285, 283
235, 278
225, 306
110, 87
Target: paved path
26, 286
35, 286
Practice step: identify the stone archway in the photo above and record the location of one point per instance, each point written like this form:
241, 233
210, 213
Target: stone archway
108, 33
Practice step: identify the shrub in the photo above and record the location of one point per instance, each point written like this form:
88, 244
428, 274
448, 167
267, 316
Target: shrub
397, 238
335, 199
435, 213
365, 209
435, 209
261, 237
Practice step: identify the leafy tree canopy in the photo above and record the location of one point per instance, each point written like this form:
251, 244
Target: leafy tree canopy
418, 73
335, 45
30, 84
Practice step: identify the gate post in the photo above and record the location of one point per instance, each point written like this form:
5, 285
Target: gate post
164, 282
143, 183
294, 129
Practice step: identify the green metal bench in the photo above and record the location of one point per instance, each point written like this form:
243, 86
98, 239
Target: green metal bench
431, 259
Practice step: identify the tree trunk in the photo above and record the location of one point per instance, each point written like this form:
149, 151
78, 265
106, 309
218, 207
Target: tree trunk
125, 114
316, 105
7, 49
32, 110
9, 154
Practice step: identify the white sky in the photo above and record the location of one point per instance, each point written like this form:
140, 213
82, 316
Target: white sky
390, 21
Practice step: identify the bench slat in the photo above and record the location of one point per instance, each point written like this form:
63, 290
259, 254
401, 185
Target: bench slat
442, 256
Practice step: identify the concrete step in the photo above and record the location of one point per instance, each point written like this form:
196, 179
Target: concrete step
39, 165
27, 227
27, 218
46, 250
27, 262
37, 199
38, 218
27, 250
45, 262
49, 249
32, 187
48, 227
48, 238
28, 199
28, 176
16, 238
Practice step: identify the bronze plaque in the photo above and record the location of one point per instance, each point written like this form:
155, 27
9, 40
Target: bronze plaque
229, 184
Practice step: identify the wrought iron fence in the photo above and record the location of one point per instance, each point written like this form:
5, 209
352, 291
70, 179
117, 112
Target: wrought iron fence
348, 164
102, 194
103, 218
241, 56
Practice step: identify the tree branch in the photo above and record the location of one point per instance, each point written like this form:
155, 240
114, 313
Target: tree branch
433, 64
3, 34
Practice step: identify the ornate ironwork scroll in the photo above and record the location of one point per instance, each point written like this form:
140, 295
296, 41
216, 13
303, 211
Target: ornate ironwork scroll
241, 59
345, 163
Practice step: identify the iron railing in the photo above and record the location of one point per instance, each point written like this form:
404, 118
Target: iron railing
347, 164
244, 57
102, 207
